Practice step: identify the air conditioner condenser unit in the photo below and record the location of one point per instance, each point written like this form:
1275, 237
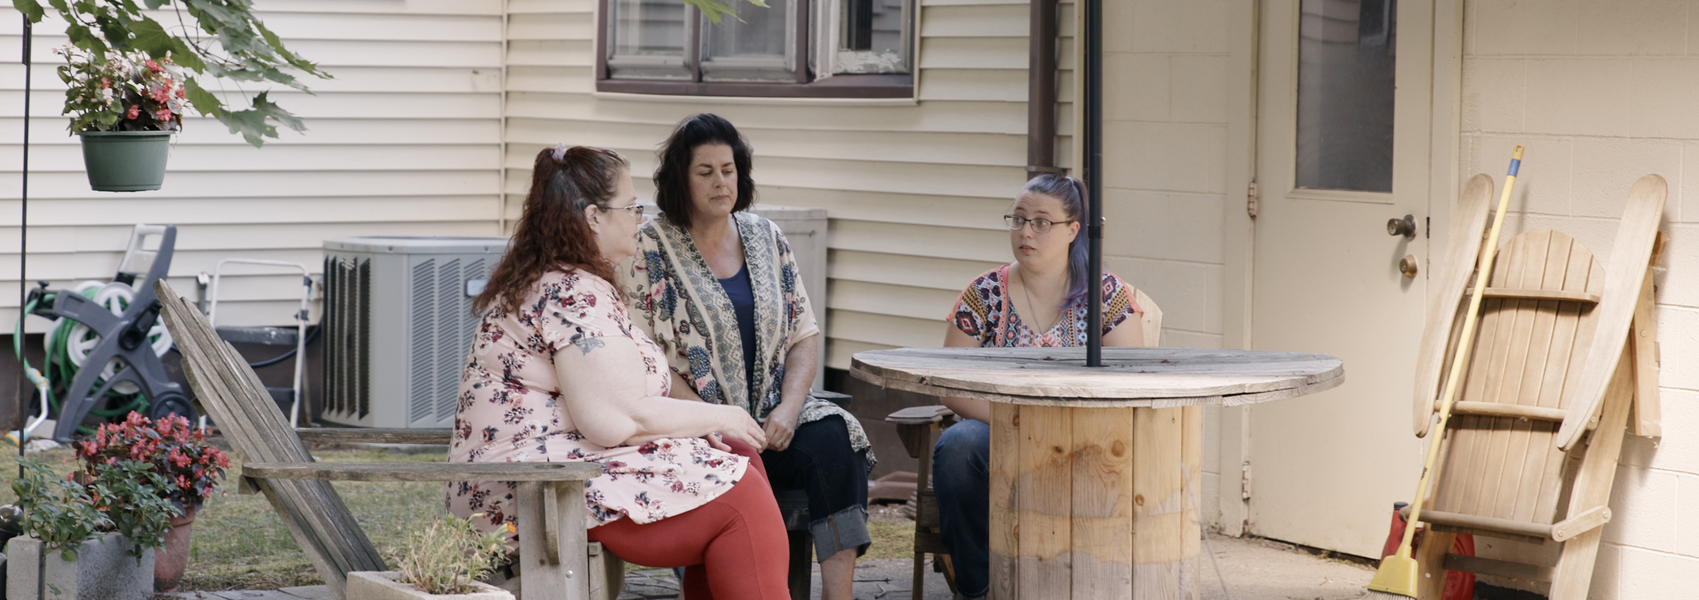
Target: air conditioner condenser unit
397, 325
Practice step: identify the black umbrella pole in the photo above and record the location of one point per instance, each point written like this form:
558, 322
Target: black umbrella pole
1094, 178
23, 248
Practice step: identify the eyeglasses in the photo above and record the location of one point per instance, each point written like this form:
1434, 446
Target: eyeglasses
636, 210
1039, 226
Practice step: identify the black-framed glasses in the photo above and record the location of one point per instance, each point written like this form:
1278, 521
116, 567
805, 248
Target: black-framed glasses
1039, 226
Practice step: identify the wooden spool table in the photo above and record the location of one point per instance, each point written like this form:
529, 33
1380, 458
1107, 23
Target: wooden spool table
1088, 498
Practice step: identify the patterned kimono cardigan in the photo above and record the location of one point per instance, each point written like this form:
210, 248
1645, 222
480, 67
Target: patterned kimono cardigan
680, 304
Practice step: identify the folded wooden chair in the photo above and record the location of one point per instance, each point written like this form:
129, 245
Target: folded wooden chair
919, 427
555, 561
1565, 352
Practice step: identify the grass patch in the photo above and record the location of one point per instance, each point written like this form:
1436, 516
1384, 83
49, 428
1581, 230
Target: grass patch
241, 544
891, 539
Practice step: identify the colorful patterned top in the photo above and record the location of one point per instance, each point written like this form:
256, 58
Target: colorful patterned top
508, 411
985, 313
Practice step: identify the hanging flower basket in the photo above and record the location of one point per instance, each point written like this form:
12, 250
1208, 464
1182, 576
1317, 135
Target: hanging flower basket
125, 161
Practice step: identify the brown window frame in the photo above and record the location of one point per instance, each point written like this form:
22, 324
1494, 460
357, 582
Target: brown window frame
838, 86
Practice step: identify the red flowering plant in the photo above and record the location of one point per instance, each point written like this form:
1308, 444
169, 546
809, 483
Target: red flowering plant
190, 466
122, 91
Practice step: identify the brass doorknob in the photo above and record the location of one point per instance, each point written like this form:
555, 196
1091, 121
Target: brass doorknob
1405, 226
1407, 266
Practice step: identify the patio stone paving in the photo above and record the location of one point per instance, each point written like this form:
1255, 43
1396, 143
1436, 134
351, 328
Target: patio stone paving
1253, 569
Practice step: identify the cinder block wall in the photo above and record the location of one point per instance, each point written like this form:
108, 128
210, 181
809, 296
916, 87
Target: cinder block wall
1602, 93
1165, 151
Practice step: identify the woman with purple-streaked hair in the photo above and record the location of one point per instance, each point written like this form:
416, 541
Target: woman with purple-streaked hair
1038, 300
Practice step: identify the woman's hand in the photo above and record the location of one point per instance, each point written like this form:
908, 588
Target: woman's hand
800, 362
781, 423
738, 425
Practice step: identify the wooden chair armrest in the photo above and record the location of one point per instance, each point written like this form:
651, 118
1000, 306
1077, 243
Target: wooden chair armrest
503, 471
439, 437
840, 399
919, 415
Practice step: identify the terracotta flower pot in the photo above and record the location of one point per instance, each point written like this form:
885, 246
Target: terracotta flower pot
170, 561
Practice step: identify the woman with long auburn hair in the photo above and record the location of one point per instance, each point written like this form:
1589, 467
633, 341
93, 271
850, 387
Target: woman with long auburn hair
558, 372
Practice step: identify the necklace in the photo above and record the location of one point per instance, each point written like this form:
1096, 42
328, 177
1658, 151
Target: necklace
1026, 290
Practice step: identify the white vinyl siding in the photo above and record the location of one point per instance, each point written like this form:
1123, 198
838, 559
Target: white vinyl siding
406, 140
915, 189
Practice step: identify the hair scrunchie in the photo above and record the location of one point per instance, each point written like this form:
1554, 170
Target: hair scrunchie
560, 152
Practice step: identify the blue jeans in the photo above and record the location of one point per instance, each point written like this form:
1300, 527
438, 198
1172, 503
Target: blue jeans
961, 476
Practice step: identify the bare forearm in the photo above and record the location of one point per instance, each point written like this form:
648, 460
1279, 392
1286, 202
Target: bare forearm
640, 420
801, 362
658, 417
969, 408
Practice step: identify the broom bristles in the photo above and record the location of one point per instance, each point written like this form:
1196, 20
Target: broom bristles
1374, 595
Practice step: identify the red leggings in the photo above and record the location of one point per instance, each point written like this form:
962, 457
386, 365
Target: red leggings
735, 544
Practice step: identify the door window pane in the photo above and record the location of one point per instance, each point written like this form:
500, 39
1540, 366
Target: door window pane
1345, 94
646, 39
758, 45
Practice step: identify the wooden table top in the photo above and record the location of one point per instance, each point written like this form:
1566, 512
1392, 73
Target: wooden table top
1130, 377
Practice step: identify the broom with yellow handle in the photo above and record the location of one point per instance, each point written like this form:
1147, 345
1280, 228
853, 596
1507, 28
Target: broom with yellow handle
1398, 574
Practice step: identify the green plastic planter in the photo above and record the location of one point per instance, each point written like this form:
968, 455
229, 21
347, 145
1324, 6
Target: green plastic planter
125, 161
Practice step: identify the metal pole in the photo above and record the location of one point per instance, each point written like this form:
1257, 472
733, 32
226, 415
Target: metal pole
1094, 177
23, 247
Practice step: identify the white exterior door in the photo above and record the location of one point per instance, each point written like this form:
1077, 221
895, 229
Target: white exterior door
1342, 146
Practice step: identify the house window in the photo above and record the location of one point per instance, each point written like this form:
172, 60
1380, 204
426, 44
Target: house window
794, 48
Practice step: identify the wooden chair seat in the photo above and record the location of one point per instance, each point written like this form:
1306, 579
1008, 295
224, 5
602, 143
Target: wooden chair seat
1562, 355
555, 560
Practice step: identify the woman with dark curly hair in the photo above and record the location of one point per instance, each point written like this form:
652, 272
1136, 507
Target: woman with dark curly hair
717, 288
558, 372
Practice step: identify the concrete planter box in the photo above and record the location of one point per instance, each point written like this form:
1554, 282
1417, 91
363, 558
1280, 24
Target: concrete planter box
102, 571
382, 585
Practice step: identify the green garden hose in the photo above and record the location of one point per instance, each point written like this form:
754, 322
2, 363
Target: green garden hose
60, 368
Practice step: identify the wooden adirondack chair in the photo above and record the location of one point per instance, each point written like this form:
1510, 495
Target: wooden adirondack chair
1565, 351
919, 427
555, 561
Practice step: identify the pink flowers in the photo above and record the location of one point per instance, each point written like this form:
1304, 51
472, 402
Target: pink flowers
123, 91
190, 464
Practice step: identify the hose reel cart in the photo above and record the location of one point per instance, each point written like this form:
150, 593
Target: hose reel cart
117, 339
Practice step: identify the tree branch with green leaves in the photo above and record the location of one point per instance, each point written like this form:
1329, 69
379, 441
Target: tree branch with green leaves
220, 39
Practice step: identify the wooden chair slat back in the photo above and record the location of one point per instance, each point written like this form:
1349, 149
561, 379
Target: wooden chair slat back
1151, 322
1526, 352
233, 396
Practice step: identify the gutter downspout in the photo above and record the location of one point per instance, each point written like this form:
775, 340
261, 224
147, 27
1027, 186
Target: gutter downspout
1041, 97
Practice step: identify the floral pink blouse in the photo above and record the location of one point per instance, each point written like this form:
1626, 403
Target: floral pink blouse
507, 411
